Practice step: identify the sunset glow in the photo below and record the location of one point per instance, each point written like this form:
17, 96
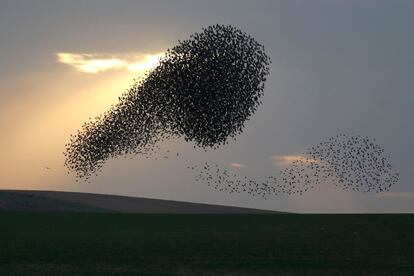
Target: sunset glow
337, 67
96, 63
287, 160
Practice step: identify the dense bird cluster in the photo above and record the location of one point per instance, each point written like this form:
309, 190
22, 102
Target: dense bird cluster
353, 163
203, 89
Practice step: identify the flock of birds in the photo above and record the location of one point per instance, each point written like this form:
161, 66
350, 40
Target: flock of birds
358, 163
203, 89
352, 163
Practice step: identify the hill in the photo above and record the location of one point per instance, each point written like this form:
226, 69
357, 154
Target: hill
54, 201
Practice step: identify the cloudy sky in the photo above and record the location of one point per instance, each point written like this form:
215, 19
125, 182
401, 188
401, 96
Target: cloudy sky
338, 66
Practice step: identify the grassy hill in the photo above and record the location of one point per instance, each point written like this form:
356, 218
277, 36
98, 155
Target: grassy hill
53, 201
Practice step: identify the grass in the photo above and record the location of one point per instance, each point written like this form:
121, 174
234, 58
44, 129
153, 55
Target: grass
87, 243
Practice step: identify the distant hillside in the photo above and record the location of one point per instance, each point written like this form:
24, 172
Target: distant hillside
51, 201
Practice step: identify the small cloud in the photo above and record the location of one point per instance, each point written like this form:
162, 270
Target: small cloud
287, 160
145, 63
96, 63
394, 195
89, 63
237, 165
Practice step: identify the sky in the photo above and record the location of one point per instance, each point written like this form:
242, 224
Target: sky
337, 67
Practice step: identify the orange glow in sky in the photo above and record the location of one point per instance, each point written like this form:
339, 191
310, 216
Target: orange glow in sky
96, 63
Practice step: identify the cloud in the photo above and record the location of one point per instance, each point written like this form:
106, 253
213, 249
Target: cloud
394, 195
96, 63
287, 160
237, 165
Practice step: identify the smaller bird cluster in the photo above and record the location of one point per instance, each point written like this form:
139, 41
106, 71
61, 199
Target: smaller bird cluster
224, 180
358, 163
352, 163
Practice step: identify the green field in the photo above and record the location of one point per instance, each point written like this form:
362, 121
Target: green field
86, 243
